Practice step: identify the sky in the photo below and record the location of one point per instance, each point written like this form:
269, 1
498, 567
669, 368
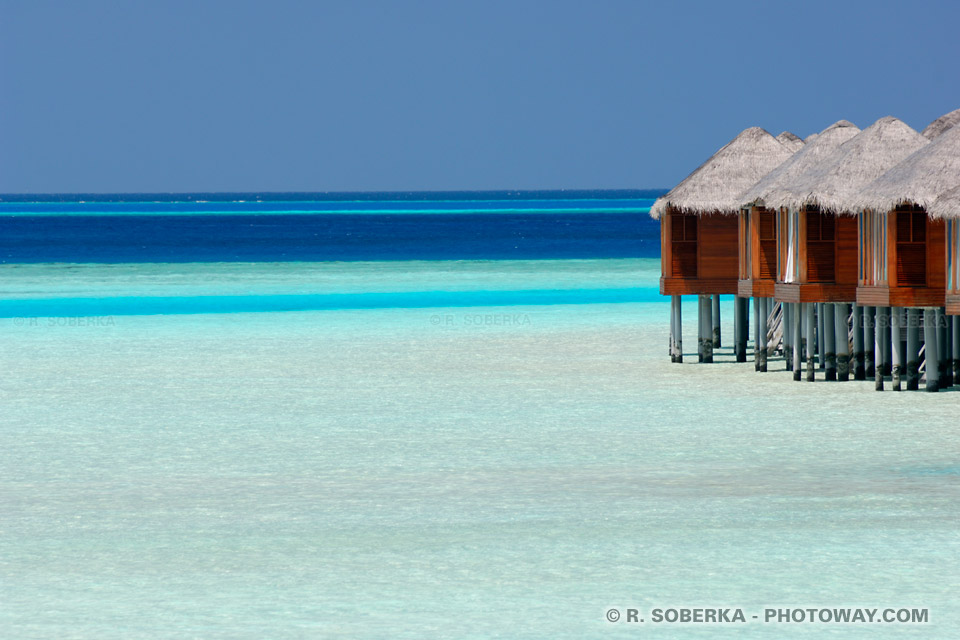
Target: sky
231, 95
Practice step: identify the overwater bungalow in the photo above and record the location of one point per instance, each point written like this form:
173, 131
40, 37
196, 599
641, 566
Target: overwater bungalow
905, 250
824, 243
809, 268
757, 245
804, 275
947, 208
699, 233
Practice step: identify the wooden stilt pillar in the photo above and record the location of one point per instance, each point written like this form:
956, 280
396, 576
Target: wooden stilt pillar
740, 311
878, 349
942, 353
797, 340
931, 349
913, 350
841, 329
955, 347
896, 357
699, 328
810, 324
787, 324
756, 333
859, 372
869, 341
764, 305
707, 330
678, 336
829, 344
673, 327
715, 314
821, 338
883, 329
948, 349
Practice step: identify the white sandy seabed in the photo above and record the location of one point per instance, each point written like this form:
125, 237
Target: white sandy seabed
464, 472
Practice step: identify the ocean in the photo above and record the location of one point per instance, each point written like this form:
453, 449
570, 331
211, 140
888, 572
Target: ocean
426, 415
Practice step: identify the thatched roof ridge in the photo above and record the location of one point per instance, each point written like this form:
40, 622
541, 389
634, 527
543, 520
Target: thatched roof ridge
835, 182
770, 190
918, 179
947, 205
715, 186
941, 124
790, 141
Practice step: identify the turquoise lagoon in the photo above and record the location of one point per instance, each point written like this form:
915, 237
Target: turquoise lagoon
451, 462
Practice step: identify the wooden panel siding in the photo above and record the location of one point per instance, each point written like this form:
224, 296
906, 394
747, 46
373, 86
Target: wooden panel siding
916, 257
825, 258
758, 252
699, 254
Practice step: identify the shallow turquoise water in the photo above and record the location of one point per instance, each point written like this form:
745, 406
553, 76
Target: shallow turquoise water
495, 471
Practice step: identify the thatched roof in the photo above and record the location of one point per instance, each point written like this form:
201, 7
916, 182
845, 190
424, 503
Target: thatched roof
941, 124
716, 185
773, 189
790, 141
833, 184
919, 179
947, 205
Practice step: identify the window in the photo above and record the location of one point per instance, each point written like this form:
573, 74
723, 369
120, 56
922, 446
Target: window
821, 243
911, 247
683, 241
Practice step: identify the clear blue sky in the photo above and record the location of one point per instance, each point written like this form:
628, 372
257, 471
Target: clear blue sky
314, 96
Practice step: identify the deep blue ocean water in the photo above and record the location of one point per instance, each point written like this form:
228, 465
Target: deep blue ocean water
327, 227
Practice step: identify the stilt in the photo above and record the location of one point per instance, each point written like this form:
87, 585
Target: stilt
756, 334
764, 305
715, 314
858, 359
739, 320
699, 328
841, 330
878, 349
955, 347
673, 328
810, 324
883, 329
707, 330
787, 323
678, 336
913, 350
896, 357
676, 353
942, 353
797, 309
948, 349
869, 341
931, 349
829, 345
821, 338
